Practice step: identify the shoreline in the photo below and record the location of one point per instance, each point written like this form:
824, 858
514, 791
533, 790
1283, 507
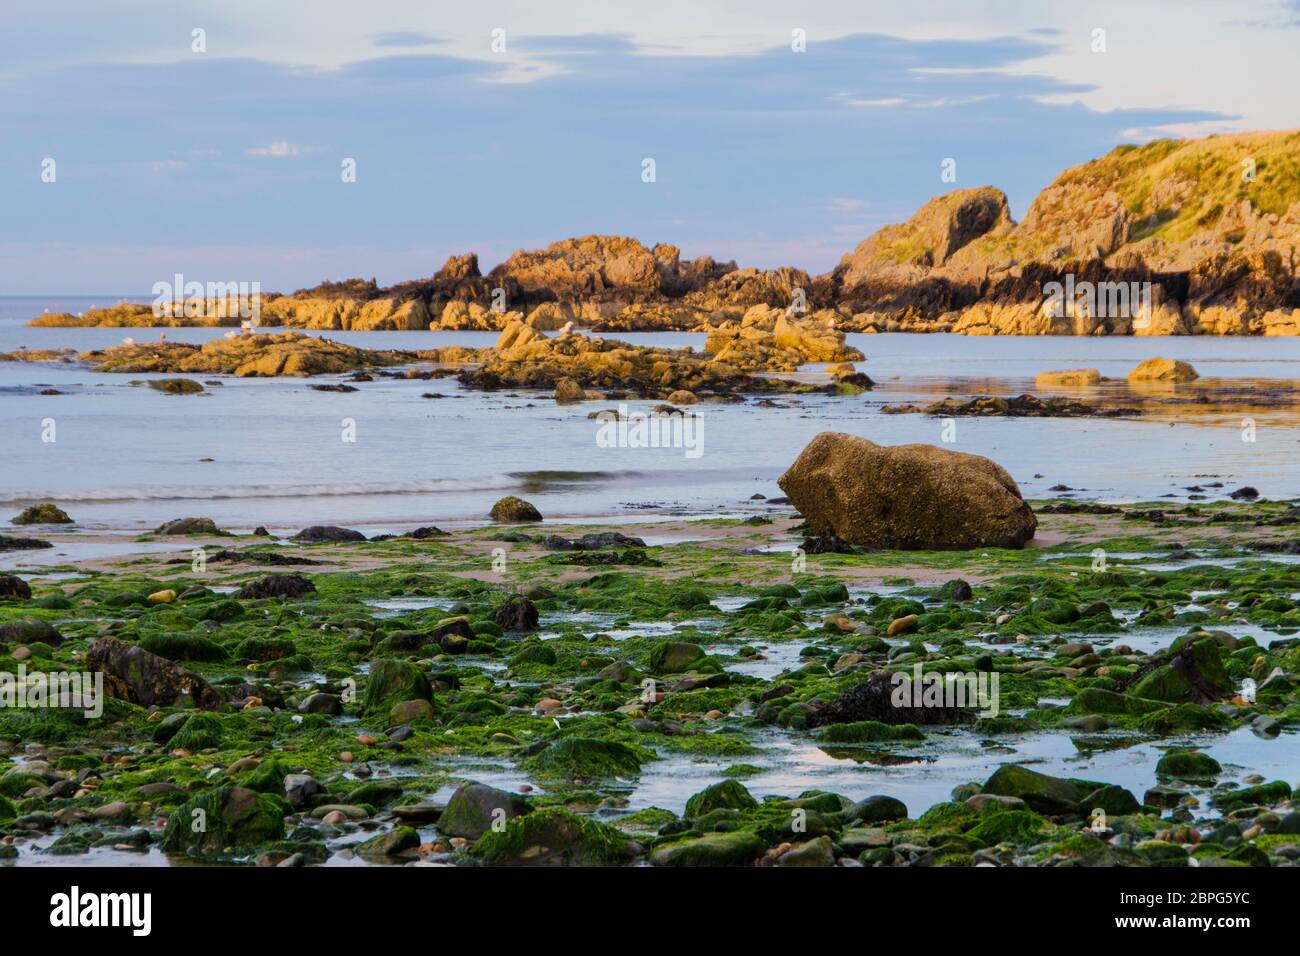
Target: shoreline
746, 618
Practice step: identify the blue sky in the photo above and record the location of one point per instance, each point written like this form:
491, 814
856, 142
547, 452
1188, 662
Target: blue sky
225, 164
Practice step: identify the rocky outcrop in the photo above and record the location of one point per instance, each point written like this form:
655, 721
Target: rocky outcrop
929, 239
284, 353
375, 315
1205, 233
770, 338
525, 358
614, 268
47, 512
906, 496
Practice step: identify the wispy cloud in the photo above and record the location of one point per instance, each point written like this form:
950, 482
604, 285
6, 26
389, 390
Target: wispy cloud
280, 148
842, 204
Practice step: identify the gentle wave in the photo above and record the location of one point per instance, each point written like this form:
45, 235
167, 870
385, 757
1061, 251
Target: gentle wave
219, 492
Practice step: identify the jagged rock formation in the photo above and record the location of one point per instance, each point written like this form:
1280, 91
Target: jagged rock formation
1173, 237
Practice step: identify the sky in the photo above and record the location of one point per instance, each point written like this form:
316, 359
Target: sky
496, 126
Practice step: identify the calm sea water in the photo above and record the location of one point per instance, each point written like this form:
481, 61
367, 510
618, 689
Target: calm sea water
127, 457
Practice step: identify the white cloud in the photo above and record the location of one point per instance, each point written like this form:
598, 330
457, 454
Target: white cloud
280, 148
844, 204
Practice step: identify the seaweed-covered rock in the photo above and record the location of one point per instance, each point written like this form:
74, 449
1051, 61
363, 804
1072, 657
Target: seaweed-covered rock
44, 513
319, 533
878, 699
1195, 674
737, 848
669, 657
188, 526
176, 386
585, 758
30, 631
1188, 764
555, 837
135, 675
12, 586
10, 542
906, 496
277, 586
512, 510
475, 808
199, 732
516, 614
730, 794
228, 817
1049, 795
391, 681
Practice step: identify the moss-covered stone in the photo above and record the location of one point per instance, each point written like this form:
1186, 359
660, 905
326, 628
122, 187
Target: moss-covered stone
225, 819
729, 794
1188, 764
391, 681
554, 837
584, 758
738, 848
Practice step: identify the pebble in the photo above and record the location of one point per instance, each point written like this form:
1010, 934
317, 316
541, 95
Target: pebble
346, 756
21, 653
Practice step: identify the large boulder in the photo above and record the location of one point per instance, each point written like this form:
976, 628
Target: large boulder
913, 497
738, 848
512, 510
135, 675
12, 586
1193, 674
227, 818
392, 681
29, 630
44, 513
555, 837
277, 586
476, 808
1050, 795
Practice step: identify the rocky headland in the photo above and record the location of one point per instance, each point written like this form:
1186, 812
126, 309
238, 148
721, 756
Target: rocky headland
1173, 237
